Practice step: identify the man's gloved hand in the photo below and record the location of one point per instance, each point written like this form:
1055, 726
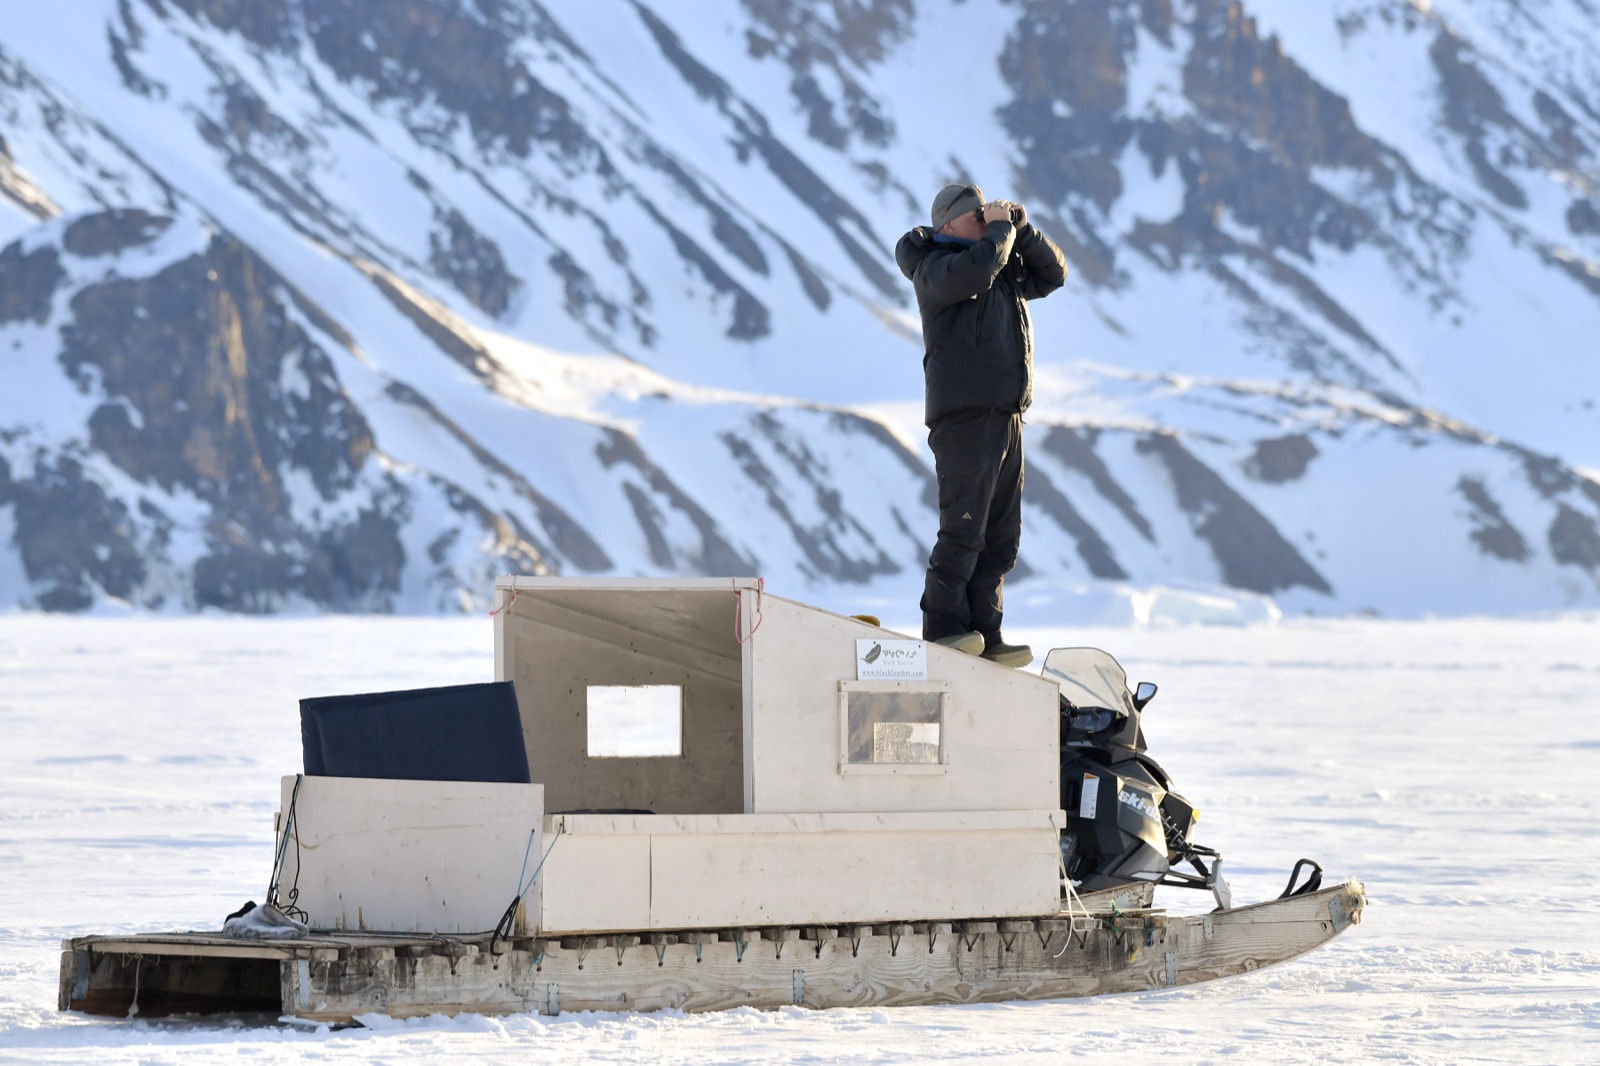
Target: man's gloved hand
1005, 211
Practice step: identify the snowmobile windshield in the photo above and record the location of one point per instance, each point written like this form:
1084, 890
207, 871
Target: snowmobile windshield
1090, 678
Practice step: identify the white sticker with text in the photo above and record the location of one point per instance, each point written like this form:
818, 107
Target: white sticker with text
1089, 802
891, 660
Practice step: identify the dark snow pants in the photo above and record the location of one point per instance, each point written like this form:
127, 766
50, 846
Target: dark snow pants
977, 456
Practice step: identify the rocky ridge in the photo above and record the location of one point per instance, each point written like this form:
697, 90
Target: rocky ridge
307, 346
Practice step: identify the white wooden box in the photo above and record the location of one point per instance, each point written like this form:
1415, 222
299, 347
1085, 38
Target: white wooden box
407, 856
665, 872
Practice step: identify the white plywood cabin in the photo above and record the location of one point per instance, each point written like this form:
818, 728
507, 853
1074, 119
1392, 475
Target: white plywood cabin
706, 755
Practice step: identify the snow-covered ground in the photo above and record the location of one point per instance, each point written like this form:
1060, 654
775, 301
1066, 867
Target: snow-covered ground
1450, 765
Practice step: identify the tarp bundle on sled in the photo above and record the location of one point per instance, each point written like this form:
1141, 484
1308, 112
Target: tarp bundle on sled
455, 733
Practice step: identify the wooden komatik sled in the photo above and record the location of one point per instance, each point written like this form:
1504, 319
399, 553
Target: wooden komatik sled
733, 799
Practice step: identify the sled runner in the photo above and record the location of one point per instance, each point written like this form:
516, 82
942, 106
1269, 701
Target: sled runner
694, 794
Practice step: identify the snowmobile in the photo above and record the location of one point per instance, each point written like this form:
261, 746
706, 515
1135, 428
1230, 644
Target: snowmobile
1125, 824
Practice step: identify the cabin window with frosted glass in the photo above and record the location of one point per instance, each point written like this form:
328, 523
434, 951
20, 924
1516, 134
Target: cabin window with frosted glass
893, 726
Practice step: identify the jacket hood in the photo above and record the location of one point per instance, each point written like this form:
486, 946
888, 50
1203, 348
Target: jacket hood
912, 248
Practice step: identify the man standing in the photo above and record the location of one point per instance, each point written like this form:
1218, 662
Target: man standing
974, 271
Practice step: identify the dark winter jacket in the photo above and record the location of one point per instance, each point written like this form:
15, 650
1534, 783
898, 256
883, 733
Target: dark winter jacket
973, 297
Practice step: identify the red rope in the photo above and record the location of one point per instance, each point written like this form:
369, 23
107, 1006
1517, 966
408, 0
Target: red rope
504, 605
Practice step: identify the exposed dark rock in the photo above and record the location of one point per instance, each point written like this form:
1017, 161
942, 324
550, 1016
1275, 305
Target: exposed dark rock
582, 296
1565, 132
1092, 548
514, 548
1268, 122
1248, 84
349, 567
1583, 217
826, 556
816, 289
1281, 459
1071, 54
1494, 534
732, 236
911, 466
1301, 347
456, 56
1296, 281
1246, 155
1545, 472
436, 323
1248, 547
268, 23
1093, 259
652, 523
568, 537
76, 542
212, 387
1590, 488
472, 263
812, 33
1575, 268
296, 198
359, 563
109, 232
250, 121
1076, 450
1471, 105
706, 83
583, 299
751, 318
28, 282
884, 181
754, 135
1575, 539
831, 208
193, 358
716, 558
122, 48
859, 30
1159, 18
239, 576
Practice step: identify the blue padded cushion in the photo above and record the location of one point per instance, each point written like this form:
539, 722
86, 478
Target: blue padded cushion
456, 733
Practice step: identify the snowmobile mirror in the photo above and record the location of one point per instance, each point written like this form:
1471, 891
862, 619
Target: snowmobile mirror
1143, 693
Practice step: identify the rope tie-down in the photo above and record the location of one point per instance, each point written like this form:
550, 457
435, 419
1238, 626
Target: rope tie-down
290, 825
508, 920
506, 605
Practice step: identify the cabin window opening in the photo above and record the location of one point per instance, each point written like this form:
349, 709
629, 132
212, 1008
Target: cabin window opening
893, 727
635, 721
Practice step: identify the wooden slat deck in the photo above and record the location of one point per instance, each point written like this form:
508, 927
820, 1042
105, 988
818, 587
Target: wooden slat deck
335, 977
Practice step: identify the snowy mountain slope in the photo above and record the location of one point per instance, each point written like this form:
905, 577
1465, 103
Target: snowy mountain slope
392, 295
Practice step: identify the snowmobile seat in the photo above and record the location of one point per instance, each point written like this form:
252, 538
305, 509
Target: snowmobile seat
455, 733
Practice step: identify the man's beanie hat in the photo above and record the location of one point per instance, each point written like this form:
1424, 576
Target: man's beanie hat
954, 201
